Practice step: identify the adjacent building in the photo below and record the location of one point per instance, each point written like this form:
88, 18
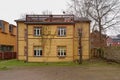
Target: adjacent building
8, 39
53, 38
113, 40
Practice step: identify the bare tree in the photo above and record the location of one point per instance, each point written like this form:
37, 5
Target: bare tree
104, 14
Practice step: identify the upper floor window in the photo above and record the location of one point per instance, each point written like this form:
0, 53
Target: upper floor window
37, 51
3, 28
37, 31
1, 24
61, 51
61, 31
10, 28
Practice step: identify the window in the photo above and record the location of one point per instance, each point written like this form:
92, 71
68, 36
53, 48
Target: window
37, 51
61, 31
10, 28
37, 31
62, 51
3, 27
1, 24
5, 48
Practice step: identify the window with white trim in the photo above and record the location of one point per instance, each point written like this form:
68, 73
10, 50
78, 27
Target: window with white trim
37, 31
61, 31
61, 51
37, 51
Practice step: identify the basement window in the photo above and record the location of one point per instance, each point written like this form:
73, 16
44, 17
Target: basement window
37, 51
61, 51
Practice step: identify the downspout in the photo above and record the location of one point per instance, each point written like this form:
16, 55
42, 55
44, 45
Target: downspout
73, 39
89, 43
17, 42
27, 43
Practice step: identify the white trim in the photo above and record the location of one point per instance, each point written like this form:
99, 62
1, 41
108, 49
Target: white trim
37, 31
61, 51
62, 31
38, 51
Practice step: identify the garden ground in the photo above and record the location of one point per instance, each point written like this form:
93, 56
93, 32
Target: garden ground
95, 70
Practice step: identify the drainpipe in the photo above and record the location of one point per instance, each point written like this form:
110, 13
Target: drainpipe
80, 45
27, 44
73, 39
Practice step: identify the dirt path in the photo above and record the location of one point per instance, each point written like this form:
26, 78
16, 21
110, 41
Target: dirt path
61, 73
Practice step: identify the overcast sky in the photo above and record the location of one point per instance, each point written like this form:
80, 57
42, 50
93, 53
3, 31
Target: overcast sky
13, 9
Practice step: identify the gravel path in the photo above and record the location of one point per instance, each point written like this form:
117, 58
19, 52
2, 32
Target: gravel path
61, 73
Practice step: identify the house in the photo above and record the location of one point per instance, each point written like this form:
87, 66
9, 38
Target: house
113, 40
95, 40
52, 38
8, 38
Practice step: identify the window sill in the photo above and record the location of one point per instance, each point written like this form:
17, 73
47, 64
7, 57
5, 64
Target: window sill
61, 56
4, 32
12, 34
61, 36
36, 36
37, 56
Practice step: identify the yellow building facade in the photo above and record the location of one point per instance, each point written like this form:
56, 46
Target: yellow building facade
8, 39
52, 38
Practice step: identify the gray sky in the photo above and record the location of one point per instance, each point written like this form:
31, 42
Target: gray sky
13, 9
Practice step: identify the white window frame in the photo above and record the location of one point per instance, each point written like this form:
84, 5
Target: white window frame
38, 51
36, 30
61, 31
62, 51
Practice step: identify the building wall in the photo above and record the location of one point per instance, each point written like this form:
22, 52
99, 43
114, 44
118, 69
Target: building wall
21, 41
85, 41
113, 42
7, 38
50, 43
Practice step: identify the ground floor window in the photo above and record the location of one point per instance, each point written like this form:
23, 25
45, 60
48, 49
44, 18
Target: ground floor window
62, 51
6, 48
38, 51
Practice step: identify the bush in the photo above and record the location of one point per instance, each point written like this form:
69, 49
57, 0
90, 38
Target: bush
112, 54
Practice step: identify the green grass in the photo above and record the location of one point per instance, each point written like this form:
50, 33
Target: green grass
8, 64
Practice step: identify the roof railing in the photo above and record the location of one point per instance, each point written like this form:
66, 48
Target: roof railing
49, 18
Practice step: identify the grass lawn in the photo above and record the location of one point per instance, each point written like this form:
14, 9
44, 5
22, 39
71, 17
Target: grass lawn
8, 64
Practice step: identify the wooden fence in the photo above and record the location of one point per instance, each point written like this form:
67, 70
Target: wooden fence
8, 55
96, 53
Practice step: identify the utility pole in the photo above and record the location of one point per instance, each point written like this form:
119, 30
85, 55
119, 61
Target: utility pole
80, 45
